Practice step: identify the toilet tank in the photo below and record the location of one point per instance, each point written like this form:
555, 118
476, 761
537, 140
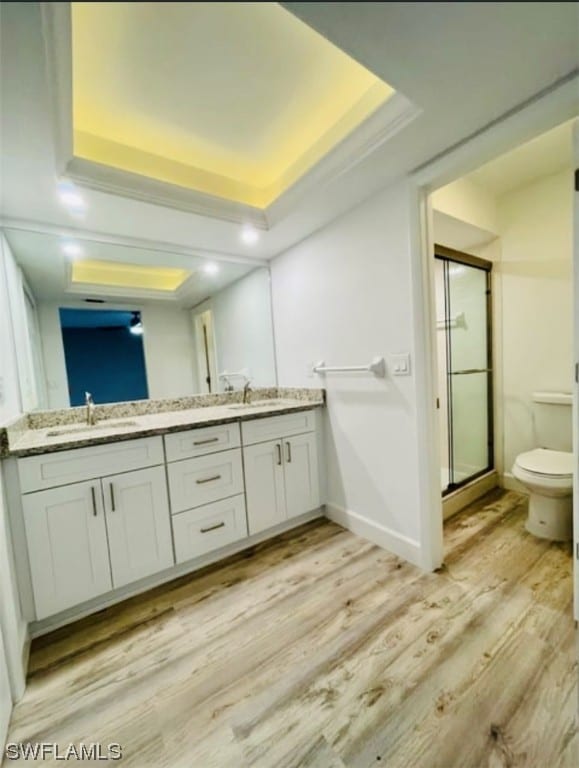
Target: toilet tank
552, 415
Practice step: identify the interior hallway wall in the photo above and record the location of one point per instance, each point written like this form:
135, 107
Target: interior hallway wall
344, 295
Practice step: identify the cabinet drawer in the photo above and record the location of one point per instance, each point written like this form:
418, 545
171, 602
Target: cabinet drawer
53, 469
210, 527
272, 427
194, 482
198, 442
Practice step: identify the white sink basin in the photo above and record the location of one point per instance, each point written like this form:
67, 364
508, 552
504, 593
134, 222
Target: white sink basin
79, 428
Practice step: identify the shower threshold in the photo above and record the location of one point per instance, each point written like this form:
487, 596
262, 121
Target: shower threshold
466, 494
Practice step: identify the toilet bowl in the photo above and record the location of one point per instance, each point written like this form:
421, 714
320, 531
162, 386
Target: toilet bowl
548, 476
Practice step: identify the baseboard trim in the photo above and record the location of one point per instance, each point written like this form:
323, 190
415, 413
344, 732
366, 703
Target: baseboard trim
43, 627
510, 483
25, 643
394, 542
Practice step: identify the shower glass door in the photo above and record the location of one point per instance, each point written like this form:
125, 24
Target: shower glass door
466, 352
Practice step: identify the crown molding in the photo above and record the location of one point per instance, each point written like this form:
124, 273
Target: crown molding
372, 133
104, 178
44, 228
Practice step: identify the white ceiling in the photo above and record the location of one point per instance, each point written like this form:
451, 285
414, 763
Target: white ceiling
548, 153
45, 265
463, 64
233, 88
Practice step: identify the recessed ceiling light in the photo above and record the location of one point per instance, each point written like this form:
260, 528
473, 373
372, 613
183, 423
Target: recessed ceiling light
71, 198
211, 268
249, 234
71, 249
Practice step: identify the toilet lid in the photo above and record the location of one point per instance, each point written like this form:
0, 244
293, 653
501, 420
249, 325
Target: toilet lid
546, 462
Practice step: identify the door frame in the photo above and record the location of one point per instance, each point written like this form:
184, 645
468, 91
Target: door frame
205, 349
576, 360
553, 106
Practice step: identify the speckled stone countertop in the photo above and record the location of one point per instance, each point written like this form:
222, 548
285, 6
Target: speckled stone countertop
48, 431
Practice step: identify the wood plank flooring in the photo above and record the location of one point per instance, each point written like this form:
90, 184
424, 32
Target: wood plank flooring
320, 650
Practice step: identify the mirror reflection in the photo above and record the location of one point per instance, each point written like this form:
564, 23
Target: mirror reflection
129, 323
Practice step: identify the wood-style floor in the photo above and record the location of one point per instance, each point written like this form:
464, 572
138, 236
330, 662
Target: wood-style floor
319, 649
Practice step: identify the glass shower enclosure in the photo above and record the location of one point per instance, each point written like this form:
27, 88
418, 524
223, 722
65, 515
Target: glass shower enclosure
464, 348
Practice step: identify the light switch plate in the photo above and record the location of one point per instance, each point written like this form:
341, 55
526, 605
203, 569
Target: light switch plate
400, 364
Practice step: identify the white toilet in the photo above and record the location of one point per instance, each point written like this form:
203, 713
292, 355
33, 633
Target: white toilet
547, 472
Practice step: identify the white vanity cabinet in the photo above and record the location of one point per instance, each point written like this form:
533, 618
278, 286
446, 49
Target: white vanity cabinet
86, 538
138, 524
281, 475
205, 472
119, 516
67, 546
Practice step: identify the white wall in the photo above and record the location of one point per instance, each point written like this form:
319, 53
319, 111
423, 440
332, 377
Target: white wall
10, 401
20, 319
12, 625
243, 328
466, 201
167, 341
536, 280
344, 295
169, 358
5, 696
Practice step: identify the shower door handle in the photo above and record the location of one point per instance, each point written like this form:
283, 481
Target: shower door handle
470, 370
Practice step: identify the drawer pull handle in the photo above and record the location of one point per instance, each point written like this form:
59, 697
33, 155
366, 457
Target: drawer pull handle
212, 528
112, 492
289, 452
93, 497
278, 448
208, 479
209, 440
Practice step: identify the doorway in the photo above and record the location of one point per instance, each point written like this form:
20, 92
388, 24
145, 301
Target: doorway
103, 351
205, 347
464, 351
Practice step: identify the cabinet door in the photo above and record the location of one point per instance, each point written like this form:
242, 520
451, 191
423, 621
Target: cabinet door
264, 485
67, 546
302, 483
138, 523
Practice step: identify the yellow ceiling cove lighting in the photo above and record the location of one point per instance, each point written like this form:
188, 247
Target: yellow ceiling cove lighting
235, 100
116, 275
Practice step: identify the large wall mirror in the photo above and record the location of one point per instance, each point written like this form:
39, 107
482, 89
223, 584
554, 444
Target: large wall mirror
128, 323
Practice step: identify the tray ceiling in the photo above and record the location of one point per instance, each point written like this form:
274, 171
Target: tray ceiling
233, 100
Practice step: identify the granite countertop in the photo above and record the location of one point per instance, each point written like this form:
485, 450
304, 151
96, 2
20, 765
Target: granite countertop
46, 431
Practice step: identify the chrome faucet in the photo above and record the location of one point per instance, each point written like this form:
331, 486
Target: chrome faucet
90, 409
247, 391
